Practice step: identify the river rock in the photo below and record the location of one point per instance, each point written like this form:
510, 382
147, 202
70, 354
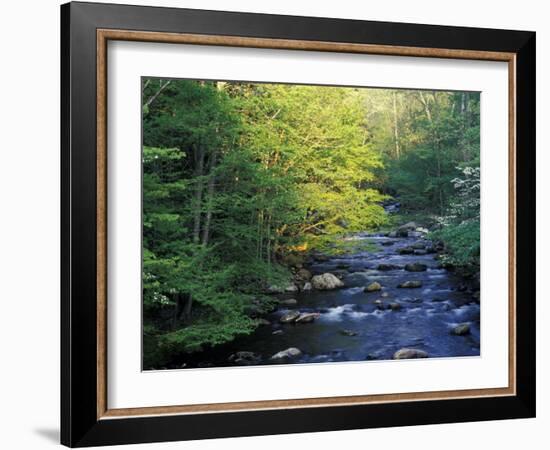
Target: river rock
244, 358
289, 317
385, 267
373, 287
307, 317
409, 353
409, 226
384, 294
289, 353
263, 322
387, 243
288, 302
274, 289
415, 267
321, 258
372, 356
291, 288
418, 246
406, 251
278, 332
307, 286
461, 329
343, 265
410, 284
348, 332
303, 275
406, 229
326, 282
394, 306
420, 252
380, 305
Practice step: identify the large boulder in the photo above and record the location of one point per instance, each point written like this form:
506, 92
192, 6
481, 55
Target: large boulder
289, 317
415, 267
326, 282
461, 330
307, 317
373, 287
409, 353
409, 226
289, 353
410, 284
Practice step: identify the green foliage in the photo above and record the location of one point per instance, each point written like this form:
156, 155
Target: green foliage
460, 226
462, 244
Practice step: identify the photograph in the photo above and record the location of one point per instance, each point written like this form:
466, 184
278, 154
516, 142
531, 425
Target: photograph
299, 224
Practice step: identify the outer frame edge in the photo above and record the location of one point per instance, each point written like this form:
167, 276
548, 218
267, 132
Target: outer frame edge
124, 430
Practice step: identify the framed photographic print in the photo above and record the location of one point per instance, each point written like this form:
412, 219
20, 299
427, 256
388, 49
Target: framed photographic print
276, 224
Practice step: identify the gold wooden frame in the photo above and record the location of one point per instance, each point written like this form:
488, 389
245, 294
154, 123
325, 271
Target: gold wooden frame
103, 36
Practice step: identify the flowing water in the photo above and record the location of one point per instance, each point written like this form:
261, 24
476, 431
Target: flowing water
352, 327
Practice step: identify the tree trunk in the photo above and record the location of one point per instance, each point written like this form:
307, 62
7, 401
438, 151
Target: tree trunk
182, 309
395, 127
188, 309
153, 97
426, 106
199, 172
209, 201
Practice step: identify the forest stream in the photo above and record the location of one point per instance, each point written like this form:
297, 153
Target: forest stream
353, 324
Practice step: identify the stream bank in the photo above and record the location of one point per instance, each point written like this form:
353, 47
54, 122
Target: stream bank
392, 303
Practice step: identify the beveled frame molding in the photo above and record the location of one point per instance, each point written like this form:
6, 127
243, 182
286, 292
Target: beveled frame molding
105, 35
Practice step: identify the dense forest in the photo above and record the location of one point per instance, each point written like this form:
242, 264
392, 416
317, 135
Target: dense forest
243, 181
